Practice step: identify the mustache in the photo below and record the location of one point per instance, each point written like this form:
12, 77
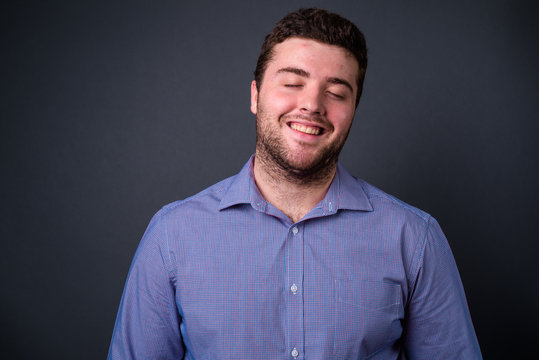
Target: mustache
311, 118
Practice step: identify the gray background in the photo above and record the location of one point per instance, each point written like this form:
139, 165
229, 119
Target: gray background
109, 110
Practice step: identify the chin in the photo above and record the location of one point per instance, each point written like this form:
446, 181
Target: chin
303, 163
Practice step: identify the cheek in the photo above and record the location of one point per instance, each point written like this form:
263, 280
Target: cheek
278, 103
341, 117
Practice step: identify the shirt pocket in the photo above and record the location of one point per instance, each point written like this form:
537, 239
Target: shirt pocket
367, 317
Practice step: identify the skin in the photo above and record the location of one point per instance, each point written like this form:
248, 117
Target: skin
304, 109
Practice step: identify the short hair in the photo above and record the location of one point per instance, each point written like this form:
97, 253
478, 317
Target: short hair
319, 25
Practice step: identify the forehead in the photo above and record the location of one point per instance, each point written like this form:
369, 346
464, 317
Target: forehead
317, 58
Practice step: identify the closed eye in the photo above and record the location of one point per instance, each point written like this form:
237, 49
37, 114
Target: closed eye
337, 96
292, 85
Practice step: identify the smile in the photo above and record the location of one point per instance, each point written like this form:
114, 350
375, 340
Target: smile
311, 130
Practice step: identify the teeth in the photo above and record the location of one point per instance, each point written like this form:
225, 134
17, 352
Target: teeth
305, 129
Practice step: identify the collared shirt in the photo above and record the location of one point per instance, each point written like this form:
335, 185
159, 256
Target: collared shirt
226, 275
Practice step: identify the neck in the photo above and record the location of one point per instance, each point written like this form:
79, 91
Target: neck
294, 196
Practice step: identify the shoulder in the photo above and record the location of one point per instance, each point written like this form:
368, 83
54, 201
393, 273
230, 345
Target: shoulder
207, 200
383, 202
401, 224
357, 194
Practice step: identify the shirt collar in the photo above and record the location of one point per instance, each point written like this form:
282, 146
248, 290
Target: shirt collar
345, 192
351, 194
243, 190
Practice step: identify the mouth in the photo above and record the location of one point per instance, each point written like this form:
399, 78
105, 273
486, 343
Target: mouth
306, 129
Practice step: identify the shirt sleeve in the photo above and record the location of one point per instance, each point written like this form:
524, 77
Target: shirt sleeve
148, 322
437, 322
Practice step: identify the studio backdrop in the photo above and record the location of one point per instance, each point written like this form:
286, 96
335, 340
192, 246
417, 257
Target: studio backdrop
112, 109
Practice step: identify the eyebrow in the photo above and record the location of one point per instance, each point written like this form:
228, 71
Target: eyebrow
303, 73
294, 70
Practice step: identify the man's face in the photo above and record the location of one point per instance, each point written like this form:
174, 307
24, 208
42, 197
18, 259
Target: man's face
305, 105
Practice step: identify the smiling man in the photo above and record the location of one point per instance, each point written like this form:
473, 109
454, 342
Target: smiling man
293, 258
305, 105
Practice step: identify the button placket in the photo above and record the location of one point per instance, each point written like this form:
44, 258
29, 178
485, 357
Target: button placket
294, 303
294, 287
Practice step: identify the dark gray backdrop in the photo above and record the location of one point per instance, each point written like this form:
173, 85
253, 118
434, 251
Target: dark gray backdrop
112, 109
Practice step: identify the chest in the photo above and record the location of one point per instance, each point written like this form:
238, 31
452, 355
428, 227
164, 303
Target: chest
329, 287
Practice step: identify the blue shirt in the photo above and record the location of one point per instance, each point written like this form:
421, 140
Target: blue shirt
226, 275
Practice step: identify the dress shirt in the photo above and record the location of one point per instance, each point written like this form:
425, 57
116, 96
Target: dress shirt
226, 275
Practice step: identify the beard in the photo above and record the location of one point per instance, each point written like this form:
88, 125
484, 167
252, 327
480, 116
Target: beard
272, 151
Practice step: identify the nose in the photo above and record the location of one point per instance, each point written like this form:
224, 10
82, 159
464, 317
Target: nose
311, 102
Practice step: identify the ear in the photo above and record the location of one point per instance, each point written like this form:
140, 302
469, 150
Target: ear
254, 97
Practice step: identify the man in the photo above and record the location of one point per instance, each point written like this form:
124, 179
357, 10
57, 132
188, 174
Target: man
293, 258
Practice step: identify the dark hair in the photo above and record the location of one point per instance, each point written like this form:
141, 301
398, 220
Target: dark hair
319, 25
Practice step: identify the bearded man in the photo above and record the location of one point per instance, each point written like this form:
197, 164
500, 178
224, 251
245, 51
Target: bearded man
293, 258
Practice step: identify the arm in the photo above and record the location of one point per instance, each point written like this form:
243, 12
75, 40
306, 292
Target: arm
437, 322
148, 323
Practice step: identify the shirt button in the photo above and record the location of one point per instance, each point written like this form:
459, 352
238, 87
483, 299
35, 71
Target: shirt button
294, 353
294, 289
295, 230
